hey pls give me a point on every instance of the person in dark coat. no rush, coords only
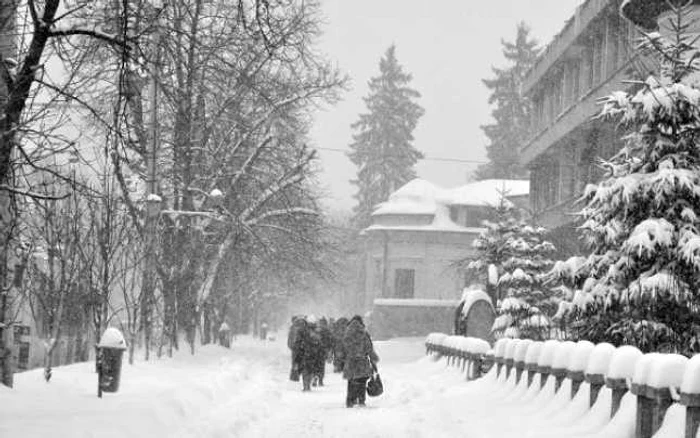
(359, 359)
(326, 347)
(291, 339)
(338, 332)
(307, 349)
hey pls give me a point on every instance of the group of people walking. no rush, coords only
(345, 343)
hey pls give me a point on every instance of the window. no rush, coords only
(23, 356)
(454, 216)
(476, 217)
(404, 283)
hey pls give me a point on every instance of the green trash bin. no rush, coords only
(110, 351)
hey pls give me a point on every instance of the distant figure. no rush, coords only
(359, 359)
(307, 348)
(338, 331)
(294, 328)
(263, 331)
(225, 335)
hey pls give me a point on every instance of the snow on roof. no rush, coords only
(415, 302)
(485, 193)
(441, 222)
(600, 358)
(471, 296)
(112, 338)
(623, 362)
(420, 197)
(415, 197)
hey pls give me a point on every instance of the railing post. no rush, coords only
(544, 371)
(690, 396)
(619, 388)
(576, 378)
(596, 381)
(519, 368)
(559, 375)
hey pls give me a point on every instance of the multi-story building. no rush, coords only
(590, 58)
(412, 279)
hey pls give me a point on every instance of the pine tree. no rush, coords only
(382, 146)
(518, 254)
(511, 109)
(642, 221)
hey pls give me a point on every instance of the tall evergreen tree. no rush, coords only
(642, 219)
(511, 109)
(382, 146)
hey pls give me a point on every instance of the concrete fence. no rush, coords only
(582, 389)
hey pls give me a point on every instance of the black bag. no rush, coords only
(375, 387)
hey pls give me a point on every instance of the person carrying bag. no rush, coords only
(359, 361)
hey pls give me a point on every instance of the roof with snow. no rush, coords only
(487, 192)
(421, 198)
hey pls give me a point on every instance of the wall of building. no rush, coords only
(589, 59)
(430, 254)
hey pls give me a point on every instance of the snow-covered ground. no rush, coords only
(245, 392)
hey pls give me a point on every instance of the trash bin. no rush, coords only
(109, 360)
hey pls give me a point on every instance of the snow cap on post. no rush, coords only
(561, 356)
(641, 373)
(581, 355)
(599, 361)
(623, 363)
(533, 354)
(112, 338)
(666, 371)
(546, 357)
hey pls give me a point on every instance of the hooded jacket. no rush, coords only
(358, 352)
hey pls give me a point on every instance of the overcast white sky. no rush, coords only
(448, 46)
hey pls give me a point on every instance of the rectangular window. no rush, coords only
(404, 283)
(454, 216)
(23, 356)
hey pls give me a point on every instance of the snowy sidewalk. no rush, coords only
(242, 392)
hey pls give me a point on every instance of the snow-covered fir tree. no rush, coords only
(642, 221)
(511, 109)
(382, 146)
(514, 256)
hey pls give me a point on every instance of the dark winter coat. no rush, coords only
(358, 353)
(307, 350)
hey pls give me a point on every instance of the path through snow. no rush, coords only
(243, 392)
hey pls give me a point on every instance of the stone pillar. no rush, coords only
(509, 366)
(596, 381)
(645, 410)
(559, 374)
(531, 371)
(544, 374)
(576, 378)
(692, 413)
(519, 368)
(619, 389)
(500, 362)
(476, 366)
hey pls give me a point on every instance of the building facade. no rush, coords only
(590, 58)
(412, 249)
